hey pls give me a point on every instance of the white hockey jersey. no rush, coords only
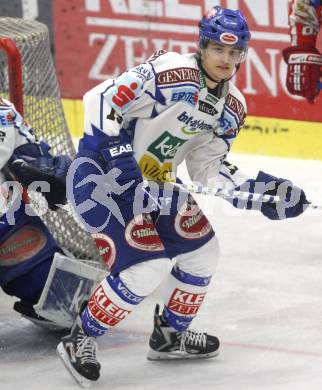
(166, 106)
(14, 131)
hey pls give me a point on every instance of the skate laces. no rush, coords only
(193, 338)
(86, 348)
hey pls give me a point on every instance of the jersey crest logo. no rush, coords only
(207, 108)
(151, 169)
(127, 88)
(166, 146)
(124, 94)
(237, 108)
(190, 96)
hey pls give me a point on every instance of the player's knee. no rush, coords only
(202, 261)
(143, 278)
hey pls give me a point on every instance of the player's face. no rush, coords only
(219, 61)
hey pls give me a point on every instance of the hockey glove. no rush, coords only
(33, 162)
(123, 168)
(303, 71)
(292, 202)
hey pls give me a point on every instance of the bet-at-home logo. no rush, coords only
(165, 146)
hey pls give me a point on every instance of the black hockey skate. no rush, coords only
(167, 344)
(78, 353)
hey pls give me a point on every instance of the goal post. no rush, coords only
(28, 79)
(14, 72)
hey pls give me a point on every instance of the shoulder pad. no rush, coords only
(171, 59)
(174, 68)
(155, 55)
(235, 100)
(125, 90)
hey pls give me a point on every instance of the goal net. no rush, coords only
(28, 79)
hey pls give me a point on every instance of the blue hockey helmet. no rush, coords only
(224, 26)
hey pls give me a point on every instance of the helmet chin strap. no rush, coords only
(221, 80)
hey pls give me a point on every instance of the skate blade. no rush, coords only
(63, 355)
(178, 355)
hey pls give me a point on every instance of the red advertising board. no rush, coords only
(99, 39)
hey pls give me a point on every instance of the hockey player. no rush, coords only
(26, 246)
(303, 59)
(141, 125)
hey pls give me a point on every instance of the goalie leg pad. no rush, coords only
(28, 287)
(68, 284)
(23, 247)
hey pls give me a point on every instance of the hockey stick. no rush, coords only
(198, 189)
(315, 206)
(228, 195)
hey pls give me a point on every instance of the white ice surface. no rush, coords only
(264, 304)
